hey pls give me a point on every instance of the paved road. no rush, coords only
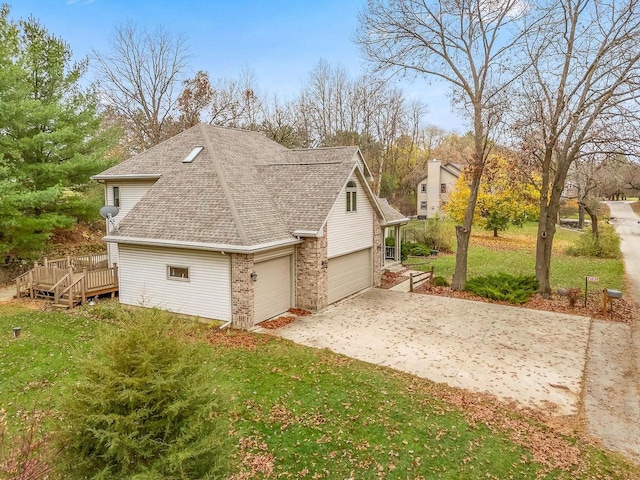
(612, 380)
(627, 225)
(534, 357)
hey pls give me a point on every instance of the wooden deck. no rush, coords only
(69, 281)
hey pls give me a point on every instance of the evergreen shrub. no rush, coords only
(144, 407)
(512, 288)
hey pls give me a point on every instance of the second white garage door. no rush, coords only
(272, 288)
(349, 274)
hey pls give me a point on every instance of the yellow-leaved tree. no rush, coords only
(506, 197)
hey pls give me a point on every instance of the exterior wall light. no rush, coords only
(325, 263)
(254, 276)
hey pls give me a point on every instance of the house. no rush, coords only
(434, 189)
(226, 224)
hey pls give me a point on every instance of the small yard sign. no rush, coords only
(586, 287)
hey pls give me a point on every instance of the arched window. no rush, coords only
(351, 196)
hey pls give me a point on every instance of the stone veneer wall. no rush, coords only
(242, 291)
(311, 277)
(377, 250)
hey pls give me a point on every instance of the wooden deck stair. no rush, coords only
(69, 281)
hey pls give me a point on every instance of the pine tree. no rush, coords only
(51, 140)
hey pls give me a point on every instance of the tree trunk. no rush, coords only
(594, 219)
(581, 216)
(495, 232)
(463, 234)
(546, 231)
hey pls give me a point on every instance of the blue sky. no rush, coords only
(279, 40)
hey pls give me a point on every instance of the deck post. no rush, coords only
(115, 274)
(411, 282)
(45, 262)
(83, 282)
(68, 261)
(31, 281)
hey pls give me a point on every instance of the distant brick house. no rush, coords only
(434, 189)
(226, 224)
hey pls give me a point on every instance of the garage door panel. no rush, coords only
(272, 294)
(349, 274)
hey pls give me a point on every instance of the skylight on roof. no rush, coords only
(194, 153)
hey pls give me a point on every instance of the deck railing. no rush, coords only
(48, 275)
(79, 263)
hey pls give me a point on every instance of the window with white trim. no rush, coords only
(423, 205)
(351, 196)
(116, 196)
(423, 188)
(178, 273)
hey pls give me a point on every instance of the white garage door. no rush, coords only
(349, 274)
(272, 288)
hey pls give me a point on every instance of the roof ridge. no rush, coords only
(302, 149)
(225, 188)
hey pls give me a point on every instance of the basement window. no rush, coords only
(178, 273)
(192, 156)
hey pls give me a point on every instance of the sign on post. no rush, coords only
(586, 287)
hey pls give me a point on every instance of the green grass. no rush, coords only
(513, 253)
(298, 412)
(36, 367)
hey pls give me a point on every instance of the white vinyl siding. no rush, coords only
(349, 274)
(130, 194)
(144, 281)
(272, 294)
(350, 231)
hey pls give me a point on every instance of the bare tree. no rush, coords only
(580, 96)
(196, 96)
(139, 77)
(467, 43)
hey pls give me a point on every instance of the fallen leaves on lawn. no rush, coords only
(236, 339)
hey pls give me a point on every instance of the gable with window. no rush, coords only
(351, 196)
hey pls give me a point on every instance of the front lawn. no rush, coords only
(297, 412)
(513, 252)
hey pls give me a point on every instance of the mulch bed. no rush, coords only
(620, 310)
(294, 313)
(391, 279)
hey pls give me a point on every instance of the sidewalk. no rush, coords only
(7, 293)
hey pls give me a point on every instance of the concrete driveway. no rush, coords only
(534, 357)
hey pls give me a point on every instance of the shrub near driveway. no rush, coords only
(144, 405)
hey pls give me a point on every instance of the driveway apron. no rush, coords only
(536, 358)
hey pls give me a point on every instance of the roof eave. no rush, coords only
(128, 176)
(391, 223)
(214, 247)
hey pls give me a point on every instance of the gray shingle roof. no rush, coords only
(390, 215)
(242, 189)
